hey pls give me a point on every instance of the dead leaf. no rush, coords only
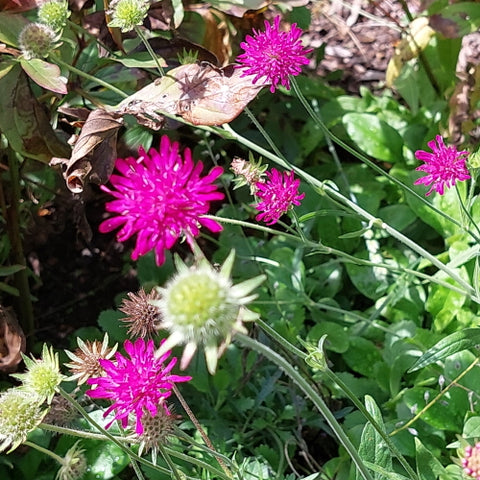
(12, 341)
(15, 6)
(23, 120)
(200, 93)
(94, 153)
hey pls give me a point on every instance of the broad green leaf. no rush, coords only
(372, 446)
(10, 28)
(362, 356)
(374, 136)
(456, 342)
(109, 321)
(6, 270)
(466, 16)
(471, 429)
(45, 74)
(337, 336)
(428, 467)
(381, 472)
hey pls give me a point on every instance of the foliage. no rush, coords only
(359, 358)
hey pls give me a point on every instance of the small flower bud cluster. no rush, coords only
(38, 39)
(127, 14)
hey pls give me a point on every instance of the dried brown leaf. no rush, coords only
(12, 341)
(94, 153)
(200, 93)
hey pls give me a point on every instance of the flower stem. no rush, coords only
(329, 188)
(312, 395)
(87, 76)
(45, 451)
(150, 50)
(467, 213)
(443, 392)
(366, 160)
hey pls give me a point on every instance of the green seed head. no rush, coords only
(127, 14)
(37, 40)
(54, 14)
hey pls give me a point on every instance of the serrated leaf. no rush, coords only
(45, 74)
(456, 342)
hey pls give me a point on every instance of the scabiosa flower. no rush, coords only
(143, 317)
(37, 40)
(273, 55)
(20, 413)
(127, 14)
(201, 306)
(160, 197)
(85, 359)
(277, 195)
(43, 376)
(445, 166)
(54, 14)
(136, 384)
(470, 461)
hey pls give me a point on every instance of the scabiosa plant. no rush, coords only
(127, 14)
(142, 317)
(54, 14)
(248, 172)
(200, 306)
(85, 359)
(277, 195)
(160, 196)
(137, 384)
(470, 461)
(42, 376)
(444, 167)
(273, 55)
(20, 413)
(37, 40)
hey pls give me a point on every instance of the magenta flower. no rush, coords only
(277, 195)
(273, 55)
(471, 461)
(137, 385)
(444, 166)
(160, 196)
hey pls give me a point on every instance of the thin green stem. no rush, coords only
(434, 400)
(366, 160)
(45, 451)
(168, 460)
(333, 192)
(87, 76)
(312, 395)
(149, 48)
(467, 213)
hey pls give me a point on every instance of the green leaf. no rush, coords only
(471, 429)
(372, 446)
(45, 74)
(385, 473)
(374, 136)
(10, 28)
(428, 467)
(109, 321)
(456, 342)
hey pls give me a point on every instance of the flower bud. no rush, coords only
(54, 14)
(37, 40)
(127, 14)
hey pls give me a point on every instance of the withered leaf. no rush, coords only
(23, 120)
(12, 341)
(94, 153)
(202, 94)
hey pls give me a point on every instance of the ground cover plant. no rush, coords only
(304, 260)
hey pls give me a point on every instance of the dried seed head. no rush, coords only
(142, 317)
(85, 360)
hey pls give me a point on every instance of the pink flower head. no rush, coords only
(273, 55)
(137, 384)
(277, 195)
(160, 196)
(444, 166)
(471, 461)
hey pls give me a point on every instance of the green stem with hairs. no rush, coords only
(89, 77)
(310, 392)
